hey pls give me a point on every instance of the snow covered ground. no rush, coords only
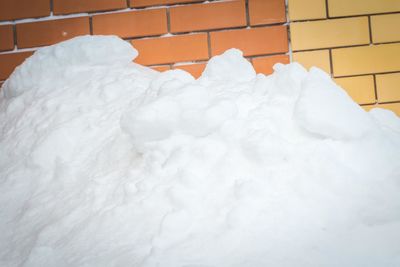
(104, 162)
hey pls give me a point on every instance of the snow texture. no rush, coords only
(104, 162)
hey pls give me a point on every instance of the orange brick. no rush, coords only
(70, 6)
(13, 9)
(49, 32)
(195, 69)
(265, 64)
(144, 3)
(161, 68)
(8, 62)
(6, 37)
(171, 49)
(208, 16)
(131, 24)
(256, 41)
(267, 12)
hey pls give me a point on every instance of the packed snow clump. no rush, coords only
(104, 162)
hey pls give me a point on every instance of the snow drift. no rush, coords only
(104, 162)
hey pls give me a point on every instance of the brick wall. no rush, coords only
(169, 34)
(357, 41)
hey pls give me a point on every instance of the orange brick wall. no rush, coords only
(169, 34)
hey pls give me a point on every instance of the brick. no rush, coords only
(300, 9)
(366, 59)
(208, 16)
(6, 37)
(339, 8)
(131, 24)
(13, 9)
(144, 3)
(369, 107)
(329, 33)
(360, 88)
(76, 6)
(49, 32)
(395, 107)
(317, 58)
(171, 49)
(385, 28)
(9, 61)
(267, 12)
(195, 69)
(388, 87)
(265, 64)
(255, 41)
(161, 68)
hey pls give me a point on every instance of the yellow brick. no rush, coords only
(329, 33)
(369, 107)
(395, 107)
(318, 58)
(385, 28)
(388, 86)
(338, 8)
(360, 88)
(300, 9)
(366, 59)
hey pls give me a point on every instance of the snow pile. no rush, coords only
(107, 163)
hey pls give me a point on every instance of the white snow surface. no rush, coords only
(104, 162)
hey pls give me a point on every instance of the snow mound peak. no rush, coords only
(328, 111)
(104, 162)
(66, 58)
(230, 66)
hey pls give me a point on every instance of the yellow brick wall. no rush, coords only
(357, 41)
